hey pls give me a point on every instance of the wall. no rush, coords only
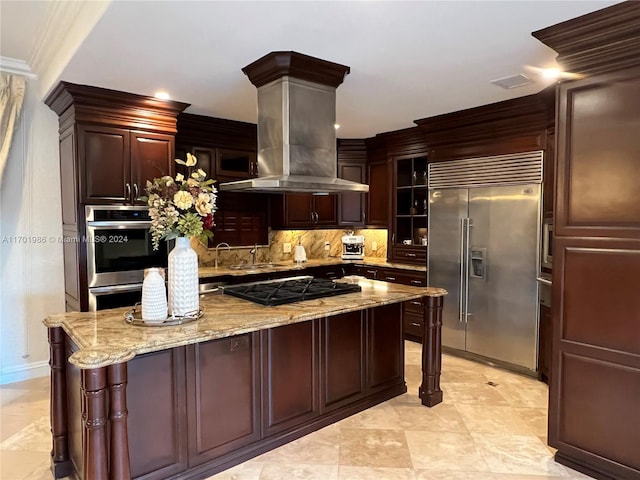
(312, 240)
(31, 266)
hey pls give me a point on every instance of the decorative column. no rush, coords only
(119, 441)
(429, 391)
(94, 445)
(60, 463)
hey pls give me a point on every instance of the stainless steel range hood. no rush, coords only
(296, 132)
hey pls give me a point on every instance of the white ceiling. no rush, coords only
(408, 60)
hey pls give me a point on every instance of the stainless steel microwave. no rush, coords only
(547, 242)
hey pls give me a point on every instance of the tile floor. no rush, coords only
(479, 432)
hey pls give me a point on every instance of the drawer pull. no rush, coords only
(390, 278)
(410, 254)
(416, 282)
(414, 324)
(372, 272)
(413, 302)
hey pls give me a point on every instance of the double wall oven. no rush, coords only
(119, 248)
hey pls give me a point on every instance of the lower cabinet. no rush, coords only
(223, 394)
(413, 320)
(199, 409)
(289, 376)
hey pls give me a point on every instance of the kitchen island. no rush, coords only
(188, 401)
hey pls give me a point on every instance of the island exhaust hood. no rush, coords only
(296, 126)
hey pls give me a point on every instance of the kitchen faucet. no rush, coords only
(254, 253)
(219, 245)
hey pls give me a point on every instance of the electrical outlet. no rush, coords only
(286, 248)
(327, 246)
(374, 246)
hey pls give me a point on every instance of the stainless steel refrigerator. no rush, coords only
(484, 230)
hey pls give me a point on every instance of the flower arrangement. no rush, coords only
(181, 207)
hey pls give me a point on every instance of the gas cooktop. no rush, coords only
(279, 292)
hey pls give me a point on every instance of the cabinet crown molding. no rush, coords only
(138, 111)
(599, 42)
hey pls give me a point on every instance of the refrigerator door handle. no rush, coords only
(463, 271)
(467, 272)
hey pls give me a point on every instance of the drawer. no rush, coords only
(412, 325)
(413, 307)
(372, 273)
(405, 277)
(410, 254)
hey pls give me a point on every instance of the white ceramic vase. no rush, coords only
(154, 296)
(183, 278)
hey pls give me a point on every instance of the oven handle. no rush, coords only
(131, 287)
(123, 224)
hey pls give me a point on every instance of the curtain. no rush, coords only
(12, 89)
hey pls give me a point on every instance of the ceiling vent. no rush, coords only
(514, 81)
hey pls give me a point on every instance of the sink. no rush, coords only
(257, 266)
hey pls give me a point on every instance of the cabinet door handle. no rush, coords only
(128, 187)
(135, 191)
(364, 216)
(413, 302)
(393, 279)
(414, 324)
(410, 254)
(416, 282)
(372, 272)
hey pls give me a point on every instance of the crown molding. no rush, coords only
(67, 25)
(16, 66)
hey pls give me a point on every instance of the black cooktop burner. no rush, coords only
(290, 291)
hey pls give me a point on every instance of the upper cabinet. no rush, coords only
(304, 210)
(410, 208)
(352, 166)
(227, 150)
(112, 143)
(115, 163)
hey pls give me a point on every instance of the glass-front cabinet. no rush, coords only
(410, 204)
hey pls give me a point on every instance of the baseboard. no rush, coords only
(24, 372)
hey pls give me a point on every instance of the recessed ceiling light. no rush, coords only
(551, 73)
(162, 95)
(336, 125)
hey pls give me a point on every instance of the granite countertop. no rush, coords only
(104, 338)
(206, 272)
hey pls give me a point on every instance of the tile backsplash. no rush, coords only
(314, 242)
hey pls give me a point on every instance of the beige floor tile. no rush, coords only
(33, 438)
(444, 451)
(272, 471)
(536, 418)
(463, 375)
(494, 419)
(250, 470)
(441, 418)
(19, 465)
(383, 416)
(374, 473)
(534, 396)
(8, 395)
(319, 448)
(473, 394)
(374, 448)
(413, 358)
(517, 454)
(431, 475)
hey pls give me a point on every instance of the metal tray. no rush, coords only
(134, 317)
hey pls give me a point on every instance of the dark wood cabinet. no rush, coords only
(544, 345)
(595, 367)
(117, 162)
(385, 355)
(342, 360)
(157, 419)
(304, 210)
(378, 198)
(290, 376)
(223, 396)
(410, 208)
(352, 166)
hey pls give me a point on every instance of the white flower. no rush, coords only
(203, 205)
(179, 177)
(191, 160)
(183, 200)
